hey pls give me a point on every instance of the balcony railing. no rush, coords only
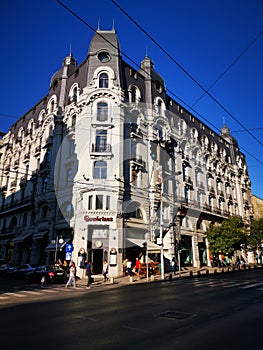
(106, 148)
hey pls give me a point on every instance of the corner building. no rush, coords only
(110, 163)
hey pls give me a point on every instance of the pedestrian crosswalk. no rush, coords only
(24, 293)
(224, 283)
(212, 284)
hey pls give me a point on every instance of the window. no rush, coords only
(44, 184)
(133, 211)
(69, 179)
(24, 219)
(102, 111)
(100, 170)
(44, 212)
(99, 202)
(133, 93)
(73, 121)
(107, 202)
(101, 141)
(103, 80)
(90, 202)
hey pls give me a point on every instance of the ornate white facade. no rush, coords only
(108, 161)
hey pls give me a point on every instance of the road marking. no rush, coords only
(137, 329)
(49, 290)
(252, 285)
(31, 292)
(235, 284)
(14, 294)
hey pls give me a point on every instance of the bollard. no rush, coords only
(112, 280)
(170, 277)
(191, 274)
(152, 277)
(207, 272)
(131, 279)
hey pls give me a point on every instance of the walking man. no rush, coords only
(89, 271)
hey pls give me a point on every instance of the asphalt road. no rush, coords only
(216, 312)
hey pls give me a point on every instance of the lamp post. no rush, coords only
(179, 216)
(56, 241)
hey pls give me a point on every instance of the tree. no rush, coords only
(255, 237)
(227, 237)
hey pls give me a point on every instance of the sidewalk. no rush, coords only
(188, 272)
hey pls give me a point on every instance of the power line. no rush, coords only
(229, 67)
(94, 30)
(187, 73)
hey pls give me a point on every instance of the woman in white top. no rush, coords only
(72, 275)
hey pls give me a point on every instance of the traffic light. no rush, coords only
(153, 150)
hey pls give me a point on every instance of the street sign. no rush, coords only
(68, 256)
(69, 248)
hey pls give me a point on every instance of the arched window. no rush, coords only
(44, 212)
(100, 170)
(102, 111)
(133, 93)
(103, 80)
(133, 211)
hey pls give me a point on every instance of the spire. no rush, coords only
(113, 24)
(98, 24)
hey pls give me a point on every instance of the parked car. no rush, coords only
(22, 270)
(7, 269)
(51, 273)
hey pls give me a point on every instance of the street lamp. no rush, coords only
(179, 216)
(56, 241)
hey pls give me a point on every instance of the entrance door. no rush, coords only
(97, 260)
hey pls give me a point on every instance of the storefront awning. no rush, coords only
(52, 247)
(21, 238)
(40, 235)
(151, 247)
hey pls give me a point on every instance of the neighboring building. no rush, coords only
(257, 204)
(108, 161)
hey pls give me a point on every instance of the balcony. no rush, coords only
(23, 181)
(13, 185)
(37, 151)
(7, 169)
(100, 150)
(26, 158)
(16, 164)
(136, 163)
(44, 166)
(188, 182)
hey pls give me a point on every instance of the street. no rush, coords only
(222, 311)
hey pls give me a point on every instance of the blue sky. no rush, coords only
(203, 36)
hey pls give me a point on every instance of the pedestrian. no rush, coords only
(173, 265)
(59, 263)
(129, 267)
(105, 270)
(72, 275)
(89, 271)
(137, 268)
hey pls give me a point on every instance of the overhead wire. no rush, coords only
(186, 72)
(135, 63)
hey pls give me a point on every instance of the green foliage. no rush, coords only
(255, 237)
(227, 237)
